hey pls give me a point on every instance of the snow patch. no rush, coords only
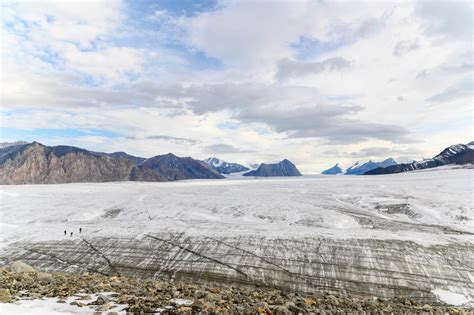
(180, 302)
(450, 298)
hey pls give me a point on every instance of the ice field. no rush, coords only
(409, 234)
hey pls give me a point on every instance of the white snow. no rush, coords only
(48, 306)
(274, 207)
(216, 162)
(296, 207)
(450, 298)
(180, 302)
(33, 307)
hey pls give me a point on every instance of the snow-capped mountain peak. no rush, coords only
(224, 167)
(216, 162)
(456, 154)
(359, 168)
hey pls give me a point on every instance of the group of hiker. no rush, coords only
(65, 232)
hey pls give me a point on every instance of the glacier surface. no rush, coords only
(409, 234)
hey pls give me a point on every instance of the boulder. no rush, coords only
(19, 266)
(5, 296)
(200, 294)
(45, 277)
(185, 310)
(281, 310)
(101, 300)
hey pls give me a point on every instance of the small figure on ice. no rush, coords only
(71, 234)
(65, 232)
(80, 230)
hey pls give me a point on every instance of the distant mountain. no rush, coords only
(336, 169)
(173, 167)
(283, 168)
(9, 144)
(224, 167)
(359, 169)
(455, 154)
(254, 166)
(122, 155)
(35, 163)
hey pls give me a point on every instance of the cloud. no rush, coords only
(74, 38)
(298, 111)
(256, 34)
(405, 46)
(292, 68)
(378, 153)
(458, 64)
(222, 148)
(72, 21)
(176, 140)
(385, 152)
(159, 15)
(448, 19)
(461, 89)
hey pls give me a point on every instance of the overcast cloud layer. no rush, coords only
(315, 82)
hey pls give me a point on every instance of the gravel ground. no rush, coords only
(109, 295)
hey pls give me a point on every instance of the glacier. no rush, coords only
(409, 234)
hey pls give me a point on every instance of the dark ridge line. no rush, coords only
(62, 261)
(103, 256)
(203, 256)
(252, 254)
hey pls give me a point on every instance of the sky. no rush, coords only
(316, 82)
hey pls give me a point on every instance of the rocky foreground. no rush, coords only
(111, 294)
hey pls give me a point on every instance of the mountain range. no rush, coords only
(282, 168)
(458, 154)
(358, 168)
(224, 167)
(173, 167)
(35, 163)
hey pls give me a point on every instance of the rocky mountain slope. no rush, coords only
(35, 163)
(173, 167)
(283, 168)
(456, 154)
(358, 168)
(122, 155)
(224, 167)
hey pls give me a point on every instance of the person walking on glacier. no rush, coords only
(80, 230)
(65, 232)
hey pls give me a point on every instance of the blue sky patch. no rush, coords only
(308, 48)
